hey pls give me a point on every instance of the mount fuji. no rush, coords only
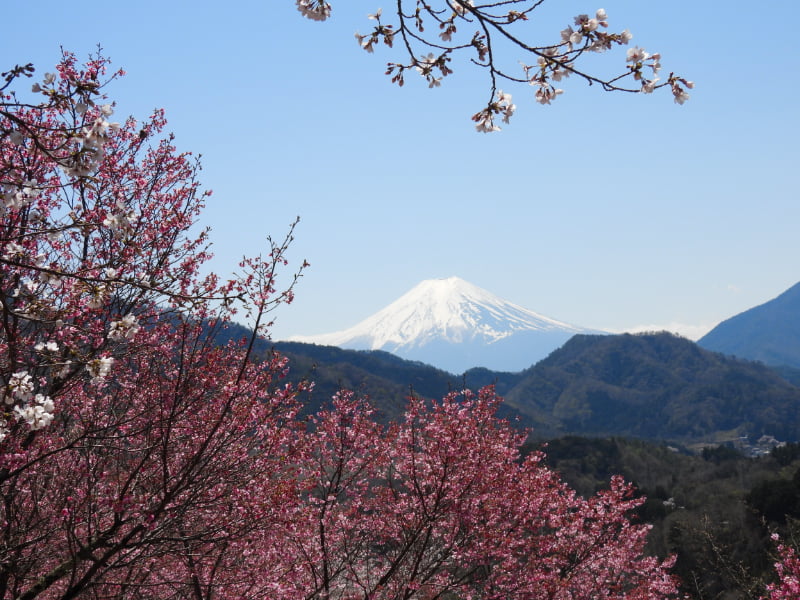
(454, 325)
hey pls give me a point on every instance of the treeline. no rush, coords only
(715, 511)
(654, 386)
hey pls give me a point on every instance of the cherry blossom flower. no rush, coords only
(124, 329)
(586, 24)
(502, 105)
(46, 347)
(559, 73)
(20, 386)
(37, 415)
(546, 92)
(316, 10)
(507, 108)
(484, 122)
(425, 64)
(99, 368)
(97, 295)
(649, 86)
(680, 95)
(13, 250)
(121, 224)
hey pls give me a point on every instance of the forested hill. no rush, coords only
(653, 386)
(656, 386)
(387, 379)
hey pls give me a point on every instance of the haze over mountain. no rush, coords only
(769, 333)
(455, 325)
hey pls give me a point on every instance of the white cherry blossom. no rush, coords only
(316, 10)
(20, 386)
(636, 55)
(46, 347)
(37, 415)
(649, 86)
(99, 368)
(124, 329)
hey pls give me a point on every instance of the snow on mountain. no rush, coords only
(454, 325)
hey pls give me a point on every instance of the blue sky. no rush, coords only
(604, 210)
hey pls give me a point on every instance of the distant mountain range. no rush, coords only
(455, 326)
(769, 333)
(650, 386)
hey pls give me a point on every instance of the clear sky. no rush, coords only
(607, 211)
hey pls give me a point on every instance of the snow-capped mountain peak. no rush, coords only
(450, 322)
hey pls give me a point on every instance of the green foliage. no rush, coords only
(786, 454)
(655, 386)
(720, 454)
(715, 510)
(776, 500)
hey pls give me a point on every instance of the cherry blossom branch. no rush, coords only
(553, 61)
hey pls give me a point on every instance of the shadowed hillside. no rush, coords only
(655, 386)
(769, 333)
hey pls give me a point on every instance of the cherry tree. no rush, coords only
(133, 451)
(442, 505)
(432, 33)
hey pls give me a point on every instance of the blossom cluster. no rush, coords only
(99, 368)
(502, 105)
(588, 31)
(87, 141)
(639, 58)
(92, 139)
(17, 197)
(124, 329)
(557, 62)
(367, 42)
(37, 410)
(316, 10)
(788, 570)
(122, 222)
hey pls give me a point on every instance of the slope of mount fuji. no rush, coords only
(454, 325)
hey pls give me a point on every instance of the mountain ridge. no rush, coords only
(648, 386)
(656, 386)
(769, 332)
